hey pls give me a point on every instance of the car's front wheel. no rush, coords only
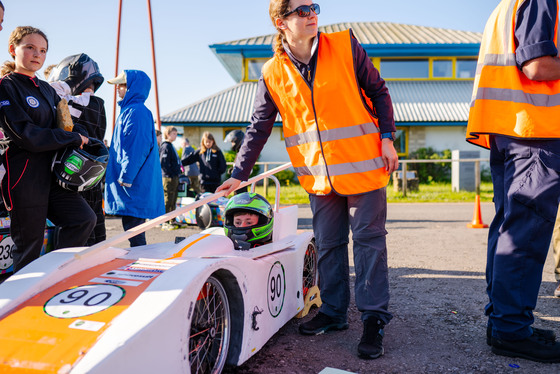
(210, 329)
(310, 272)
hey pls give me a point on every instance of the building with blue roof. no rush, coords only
(429, 72)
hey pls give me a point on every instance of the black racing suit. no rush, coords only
(92, 122)
(29, 190)
(212, 165)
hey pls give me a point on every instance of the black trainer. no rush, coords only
(534, 348)
(371, 343)
(321, 323)
(545, 334)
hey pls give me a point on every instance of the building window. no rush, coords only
(405, 68)
(254, 67)
(430, 68)
(442, 69)
(466, 68)
(401, 141)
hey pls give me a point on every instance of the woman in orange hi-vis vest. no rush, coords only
(338, 126)
(515, 112)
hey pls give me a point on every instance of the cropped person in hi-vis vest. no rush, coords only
(338, 125)
(515, 112)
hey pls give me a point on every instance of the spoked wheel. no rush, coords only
(310, 273)
(210, 329)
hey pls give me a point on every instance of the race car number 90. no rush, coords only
(276, 289)
(83, 300)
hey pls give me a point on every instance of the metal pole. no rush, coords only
(404, 181)
(477, 177)
(265, 181)
(158, 120)
(117, 65)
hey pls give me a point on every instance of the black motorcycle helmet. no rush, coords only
(235, 137)
(79, 72)
(81, 169)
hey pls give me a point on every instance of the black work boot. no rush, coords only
(544, 334)
(534, 348)
(371, 343)
(321, 323)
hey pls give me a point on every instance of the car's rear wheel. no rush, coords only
(210, 329)
(310, 273)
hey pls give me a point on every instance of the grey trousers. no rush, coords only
(333, 217)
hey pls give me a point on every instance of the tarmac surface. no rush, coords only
(436, 270)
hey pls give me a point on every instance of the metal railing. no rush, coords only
(266, 165)
(404, 167)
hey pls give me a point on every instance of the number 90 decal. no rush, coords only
(83, 300)
(276, 289)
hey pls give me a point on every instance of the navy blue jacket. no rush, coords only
(212, 165)
(170, 166)
(534, 30)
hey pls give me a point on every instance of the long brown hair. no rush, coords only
(276, 9)
(15, 39)
(207, 135)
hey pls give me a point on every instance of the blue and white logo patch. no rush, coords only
(4, 103)
(33, 102)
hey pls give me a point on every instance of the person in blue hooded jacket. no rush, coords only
(134, 188)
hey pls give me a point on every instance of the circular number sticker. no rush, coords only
(6, 248)
(84, 300)
(276, 289)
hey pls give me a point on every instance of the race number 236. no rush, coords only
(83, 300)
(6, 248)
(276, 288)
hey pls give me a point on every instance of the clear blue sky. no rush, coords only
(187, 69)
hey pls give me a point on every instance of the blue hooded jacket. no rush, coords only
(134, 156)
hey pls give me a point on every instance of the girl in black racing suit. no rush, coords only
(28, 119)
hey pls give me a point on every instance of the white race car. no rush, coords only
(186, 307)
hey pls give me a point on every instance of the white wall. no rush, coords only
(451, 137)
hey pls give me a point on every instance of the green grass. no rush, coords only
(427, 193)
(439, 193)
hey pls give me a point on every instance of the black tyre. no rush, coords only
(204, 216)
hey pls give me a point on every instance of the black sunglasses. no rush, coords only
(305, 10)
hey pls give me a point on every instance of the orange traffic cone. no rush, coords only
(477, 217)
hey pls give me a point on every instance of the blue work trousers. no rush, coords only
(333, 216)
(525, 174)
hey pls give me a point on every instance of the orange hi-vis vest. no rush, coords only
(506, 102)
(330, 131)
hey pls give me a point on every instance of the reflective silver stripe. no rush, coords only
(317, 170)
(349, 132)
(499, 60)
(340, 169)
(332, 134)
(508, 26)
(356, 167)
(303, 138)
(517, 96)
